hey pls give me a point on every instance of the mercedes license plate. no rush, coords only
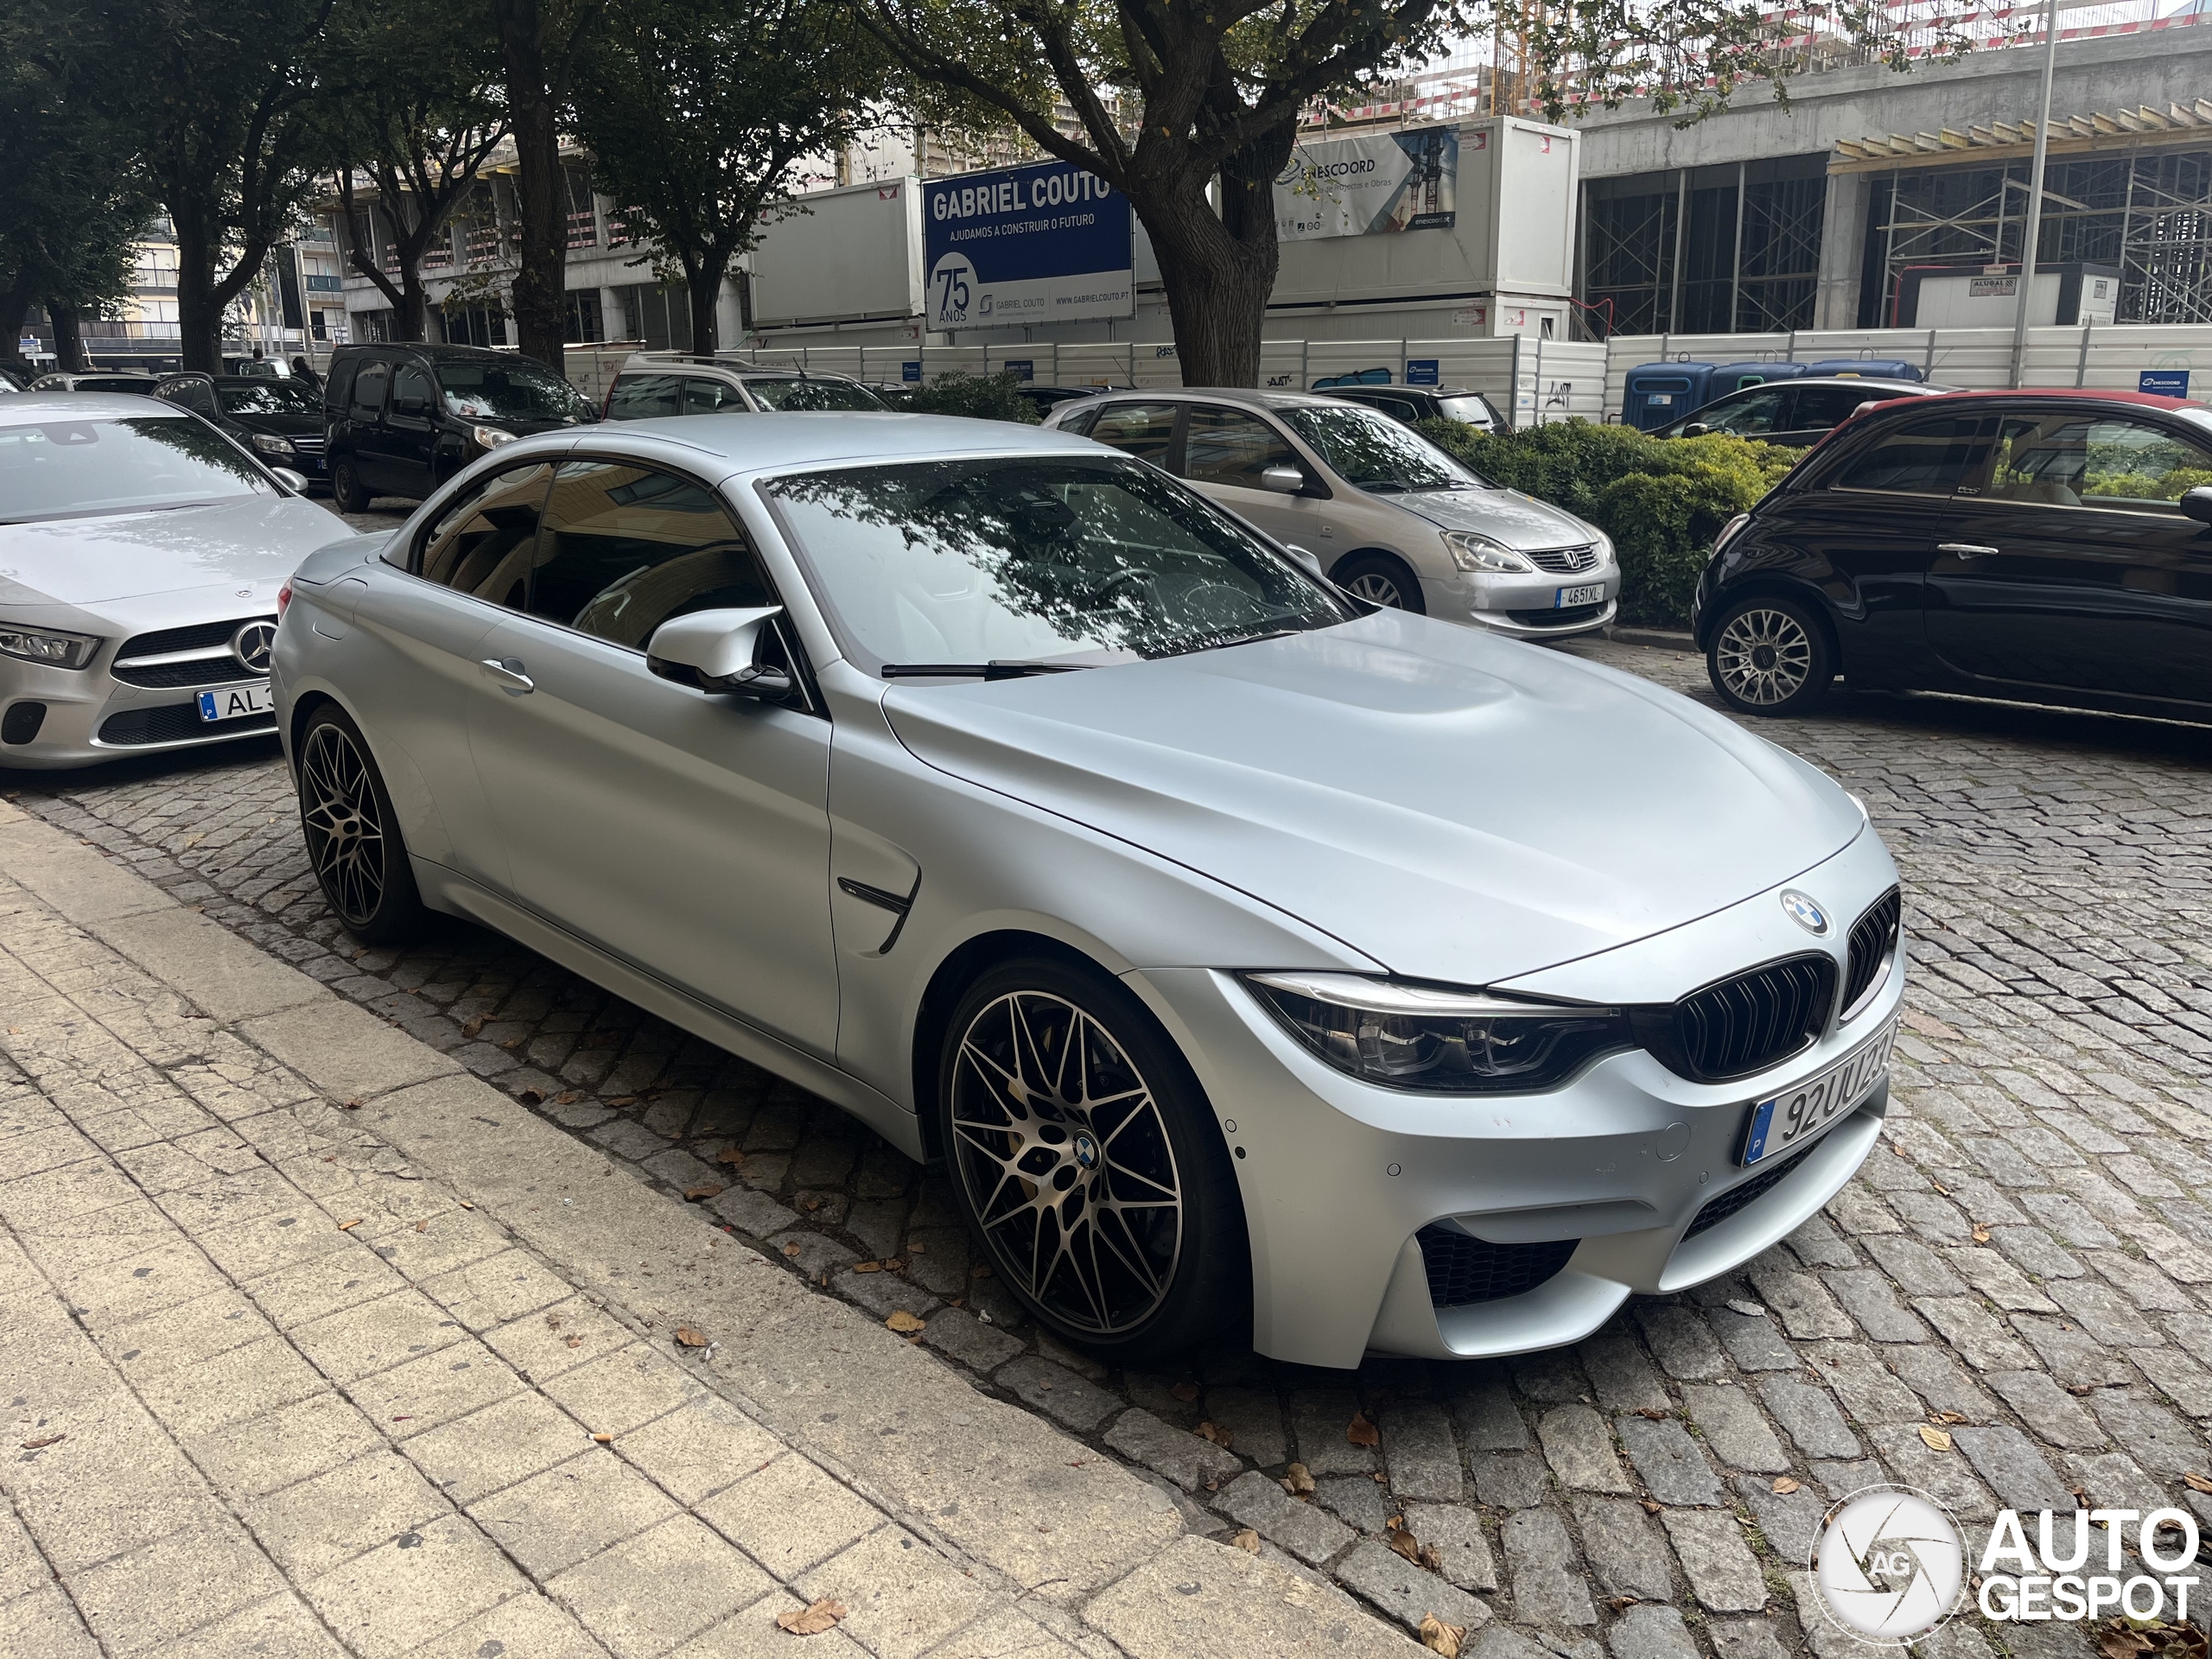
(237, 701)
(1796, 1116)
(1592, 593)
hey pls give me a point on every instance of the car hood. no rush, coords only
(1519, 521)
(233, 545)
(1453, 805)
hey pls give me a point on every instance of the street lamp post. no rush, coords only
(2033, 228)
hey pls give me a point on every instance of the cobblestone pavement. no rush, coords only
(2023, 1269)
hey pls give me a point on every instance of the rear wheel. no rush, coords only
(1379, 579)
(352, 837)
(1088, 1165)
(346, 487)
(1771, 655)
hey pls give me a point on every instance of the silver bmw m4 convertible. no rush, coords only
(1240, 948)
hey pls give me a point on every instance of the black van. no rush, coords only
(403, 418)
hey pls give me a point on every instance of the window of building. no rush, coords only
(661, 317)
(587, 324)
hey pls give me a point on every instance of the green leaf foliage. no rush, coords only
(980, 397)
(1662, 500)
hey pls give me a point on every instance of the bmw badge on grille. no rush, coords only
(1805, 912)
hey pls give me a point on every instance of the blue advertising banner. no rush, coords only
(1036, 244)
(2165, 383)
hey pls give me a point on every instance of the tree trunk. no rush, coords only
(412, 318)
(706, 290)
(68, 338)
(540, 303)
(199, 307)
(1217, 286)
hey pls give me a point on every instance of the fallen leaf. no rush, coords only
(623, 1100)
(2196, 1483)
(792, 1249)
(424, 1225)
(604, 1440)
(1186, 1392)
(1298, 1480)
(348, 1226)
(690, 1337)
(472, 1026)
(1980, 1233)
(813, 1618)
(1362, 1433)
(464, 1204)
(1655, 1416)
(918, 1249)
(1215, 1433)
(44, 1440)
(1950, 1416)
(1431, 1558)
(351, 1106)
(1403, 1543)
(867, 1267)
(702, 1192)
(566, 1097)
(1938, 1440)
(903, 1322)
(2117, 1641)
(894, 1264)
(1651, 1505)
(1247, 1540)
(1786, 1485)
(731, 1156)
(574, 1342)
(2081, 1387)
(1439, 1637)
(981, 1270)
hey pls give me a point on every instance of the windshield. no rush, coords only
(510, 392)
(1374, 453)
(1018, 560)
(60, 469)
(814, 394)
(269, 397)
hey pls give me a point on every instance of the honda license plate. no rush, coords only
(1796, 1116)
(237, 701)
(1591, 593)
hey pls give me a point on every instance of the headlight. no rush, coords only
(1479, 553)
(1438, 1041)
(47, 645)
(1728, 532)
(1605, 554)
(269, 444)
(489, 438)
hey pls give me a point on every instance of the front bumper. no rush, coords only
(91, 717)
(1339, 1177)
(1524, 607)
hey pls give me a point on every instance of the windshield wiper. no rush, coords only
(976, 670)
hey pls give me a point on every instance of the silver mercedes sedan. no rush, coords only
(141, 552)
(1244, 949)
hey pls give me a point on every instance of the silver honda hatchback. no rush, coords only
(1245, 949)
(1390, 517)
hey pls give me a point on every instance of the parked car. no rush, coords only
(402, 419)
(2040, 546)
(1413, 404)
(1238, 946)
(652, 385)
(143, 552)
(13, 378)
(1389, 515)
(279, 421)
(1794, 413)
(245, 363)
(1048, 399)
(98, 380)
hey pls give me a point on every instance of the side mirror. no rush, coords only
(2198, 503)
(1306, 560)
(297, 482)
(714, 650)
(1696, 429)
(1283, 480)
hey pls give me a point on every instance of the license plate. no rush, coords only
(1589, 594)
(237, 701)
(1797, 1115)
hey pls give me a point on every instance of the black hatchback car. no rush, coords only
(1792, 413)
(403, 418)
(2041, 546)
(281, 421)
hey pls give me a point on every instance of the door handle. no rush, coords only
(1966, 549)
(508, 675)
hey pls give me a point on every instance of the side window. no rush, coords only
(369, 388)
(1930, 457)
(483, 541)
(1759, 411)
(627, 548)
(2063, 459)
(411, 393)
(1227, 446)
(1399, 408)
(341, 385)
(704, 396)
(1080, 423)
(642, 396)
(1819, 408)
(1143, 429)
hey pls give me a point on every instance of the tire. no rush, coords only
(353, 835)
(1144, 1253)
(1772, 655)
(1379, 579)
(346, 487)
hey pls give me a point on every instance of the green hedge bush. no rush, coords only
(1662, 500)
(982, 398)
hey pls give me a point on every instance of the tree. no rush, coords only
(217, 97)
(414, 103)
(698, 111)
(540, 44)
(1216, 88)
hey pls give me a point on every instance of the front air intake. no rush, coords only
(1464, 1270)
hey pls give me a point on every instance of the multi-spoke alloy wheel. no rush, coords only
(352, 843)
(1770, 658)
(1063, 1154)
(1378, 589)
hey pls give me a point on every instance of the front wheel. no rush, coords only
(1088, 1165)
(1379, 579)
(346, 487)
(352, 837)
(1771, 655)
